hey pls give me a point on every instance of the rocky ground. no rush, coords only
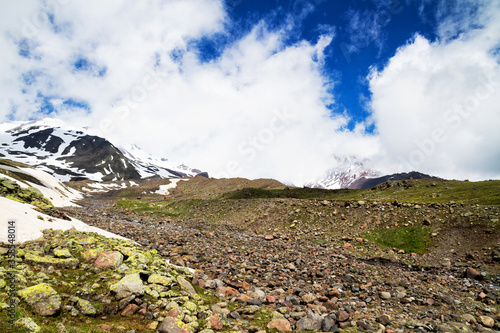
(268, 275)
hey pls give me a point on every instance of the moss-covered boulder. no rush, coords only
(42, 298)
(160, 279)
(129, 285)
(27, 324)
(86, 308)
(36, 260)
(31, 195)
(62, 253)
(90, 254)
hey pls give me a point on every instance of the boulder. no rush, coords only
(129, 285)
(486, 321)
(282, 325)
(86, 308)
(312, 321)
(186, 286)
(109, 259)
(90, 254)
(36, 260)
(42, 298)
(27, 324)
(160, 279)
(62, 253)
(173, 325)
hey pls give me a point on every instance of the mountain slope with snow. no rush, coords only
(76, 154)
(345, 172)
(25, 219)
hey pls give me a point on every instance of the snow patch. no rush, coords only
(164, 188)
(29, 226)
(52, 189)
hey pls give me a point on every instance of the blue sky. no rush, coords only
(275, 88)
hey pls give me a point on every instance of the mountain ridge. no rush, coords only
(71, 153)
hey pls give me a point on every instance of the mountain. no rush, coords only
(148, 164)
(352, 173)
(76, 154)
(364, 183)
(346, 171)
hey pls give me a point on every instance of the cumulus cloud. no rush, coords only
(435, 103)
(133, 71)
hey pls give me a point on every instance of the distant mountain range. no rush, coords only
(352, 173)
(75, 154)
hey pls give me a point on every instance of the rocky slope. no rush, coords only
(314, 269)
(266, 260)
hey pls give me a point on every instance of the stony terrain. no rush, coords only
(284, 264)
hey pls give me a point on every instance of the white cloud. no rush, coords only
(258, 110)
(435, 104)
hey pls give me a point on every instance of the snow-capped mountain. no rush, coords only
(352, 173)
(148, 164)
(75, 153)
(344, 173)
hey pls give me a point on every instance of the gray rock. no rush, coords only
(28, 324)
(385, 295)
(129, 285)
(173, 325)
(186, 286)
(86, 308)
(312, 321)
(42, 298)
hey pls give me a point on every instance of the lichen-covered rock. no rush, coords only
(33, 259)
(126, 250)
(42, 298)
(86, 308)
(138, 259)
(90, 254)
(173, 325)
(190, 306)
(123, 269)
(108, 259)
(160, 279)
(186, 286)
(28, 324)
(62, 253)
(129, 285)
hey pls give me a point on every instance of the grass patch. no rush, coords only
(410, 239)
(14, 164)
(162, 209)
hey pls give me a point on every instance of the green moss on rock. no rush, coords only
(28, 324)
(33, 259)
(42, 298)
